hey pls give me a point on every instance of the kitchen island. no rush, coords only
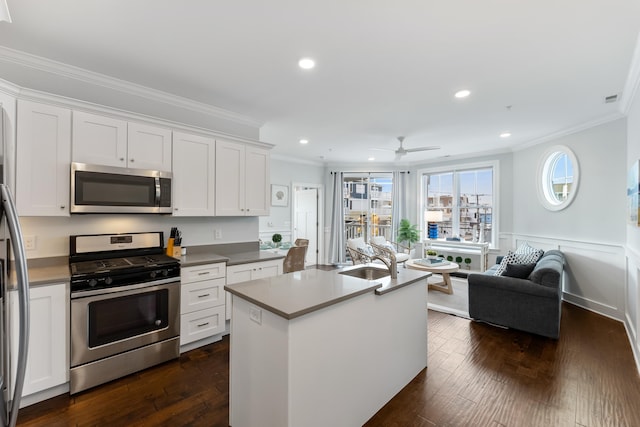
(319, 348)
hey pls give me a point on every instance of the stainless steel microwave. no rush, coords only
(108, 189)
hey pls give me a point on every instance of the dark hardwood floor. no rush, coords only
(478, 375)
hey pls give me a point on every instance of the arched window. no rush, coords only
(558, 175)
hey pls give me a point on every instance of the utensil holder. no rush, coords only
(169, 250)
(177, 252)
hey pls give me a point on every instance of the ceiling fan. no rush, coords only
(401, 151)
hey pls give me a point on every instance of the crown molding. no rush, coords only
(9, 88)
(24, 59)
(290, 159)
(571, 130)
(633, 81)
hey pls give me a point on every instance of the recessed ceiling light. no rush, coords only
(304, 141)
(306, 63)
(505, 135)
(371, 159)
(462, 93)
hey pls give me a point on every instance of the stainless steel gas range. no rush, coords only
(125, 306)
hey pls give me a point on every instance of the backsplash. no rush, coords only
(52, 233)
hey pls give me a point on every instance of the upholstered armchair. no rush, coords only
(382, 246)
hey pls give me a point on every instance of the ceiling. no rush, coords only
(384, 69)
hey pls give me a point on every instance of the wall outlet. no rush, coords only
(30, 243)
(255, 314)
(218, 233)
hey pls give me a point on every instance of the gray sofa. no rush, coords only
(532, 304)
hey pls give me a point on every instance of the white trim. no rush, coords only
(632, 83)
(570, 131)
(494, 164)
(320, 206)
(79, 105)
(68, 71)
(543, 178)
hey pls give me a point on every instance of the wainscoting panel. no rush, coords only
(633, 302)
(595, 276)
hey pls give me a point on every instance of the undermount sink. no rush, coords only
(367, 273)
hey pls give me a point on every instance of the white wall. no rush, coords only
(632, 234)
(591, 231)
(287, 172)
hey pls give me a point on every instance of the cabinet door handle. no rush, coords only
(203, 324)
(62, 207)
(203, 273)
(122, 159)
(131, 160)
(203, 296)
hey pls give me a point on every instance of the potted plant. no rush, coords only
(408, 233)
(458, 260)
(431, 254)
(450, 258)
(468, 262)
(276, 238)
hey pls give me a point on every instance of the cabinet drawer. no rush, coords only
(201, 324)
(203, 272)
(200, 295)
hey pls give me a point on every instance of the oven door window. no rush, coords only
(119, 318)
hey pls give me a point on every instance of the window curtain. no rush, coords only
(398, 202)
(337, 248)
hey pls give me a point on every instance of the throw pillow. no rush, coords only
(528, 253)
(366, 249)
(519, 271)
(389, 246)
(509, 258)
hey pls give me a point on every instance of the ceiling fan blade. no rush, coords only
(412, 150)
(383, 149)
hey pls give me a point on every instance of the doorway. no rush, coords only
(307, 219)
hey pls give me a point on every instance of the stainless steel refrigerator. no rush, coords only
(11, 243)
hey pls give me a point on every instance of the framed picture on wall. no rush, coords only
(279, 195)
(633, 193)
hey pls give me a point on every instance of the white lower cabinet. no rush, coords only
(202, 302)
(251, 271)
(48, 356)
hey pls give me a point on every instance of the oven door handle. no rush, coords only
(15, 233)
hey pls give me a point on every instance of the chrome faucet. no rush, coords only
(390, 262)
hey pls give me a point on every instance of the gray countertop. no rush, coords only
(45, 271)
(296, 294)
(231, 253)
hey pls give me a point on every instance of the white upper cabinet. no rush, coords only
(107, 141)
(193, 175)
(242, 179)
(149, 147)
(43, 159)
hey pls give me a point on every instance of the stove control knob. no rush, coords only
(152, 274)
(165, 273)
(93, 282)
(108, 280)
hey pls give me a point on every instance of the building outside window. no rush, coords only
(367, 205)
(461, 202)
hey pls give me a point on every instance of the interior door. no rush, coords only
(306, 221)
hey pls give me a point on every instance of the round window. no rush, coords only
(558, 176)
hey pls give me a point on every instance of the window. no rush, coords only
(367, 205)
(557, 178)
(459, 202)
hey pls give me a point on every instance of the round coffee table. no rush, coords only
(444, 270)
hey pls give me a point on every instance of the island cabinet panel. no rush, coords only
(202, 302)
(193, 175)
(324, 368)
(108, 141)
(48, 356)
(43, 157)
(251, 271)
(242, 179)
